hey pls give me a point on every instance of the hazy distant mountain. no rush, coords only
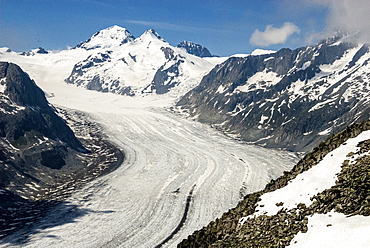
(32, 52)
(289, 99)
(5, 50)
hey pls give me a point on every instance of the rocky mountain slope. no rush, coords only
(41, 159)
(289, 99)
(148, 64)
(322, 202)
(26, 115)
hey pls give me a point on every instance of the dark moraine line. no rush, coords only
(182, 221)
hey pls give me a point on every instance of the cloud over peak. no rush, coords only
(273, 35)
(352, 16)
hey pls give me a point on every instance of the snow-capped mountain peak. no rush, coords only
(148, 64)
(106, 38)
(150, 35)
(5, 50)
(112, 60)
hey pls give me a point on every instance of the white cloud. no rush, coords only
(273, 35)
(348, 16)
(171, 26)
(352, 16)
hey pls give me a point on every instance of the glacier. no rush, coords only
(170, 162)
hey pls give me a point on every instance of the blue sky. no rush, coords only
(224, 27)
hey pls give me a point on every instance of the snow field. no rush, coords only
(309, 183)
(334, 230)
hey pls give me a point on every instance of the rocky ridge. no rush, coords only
(195, 49)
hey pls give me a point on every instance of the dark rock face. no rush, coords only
(291, 99)
(32, 135)
(167, 76)
(19, 88)
(168, 53)
(42, 51)
(195, 49)
(165, 79)
(31, 111)
(37, 147)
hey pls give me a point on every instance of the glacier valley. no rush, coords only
(177, 176)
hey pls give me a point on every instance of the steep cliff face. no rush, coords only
(290, 99)
(26, 112)
(322, 201)
(35, 142)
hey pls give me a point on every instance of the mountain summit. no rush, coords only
(106, 38)
(150, 34)
(195, 49)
